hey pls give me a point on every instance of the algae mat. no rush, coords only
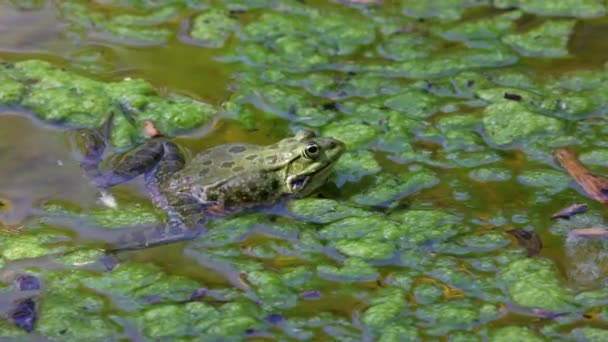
(451, 111)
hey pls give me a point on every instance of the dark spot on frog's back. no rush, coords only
(238, 169)
(251, 157)
(208, 162)
(227, 164)
(203, 172)
(237, 149)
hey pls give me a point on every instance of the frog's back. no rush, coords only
(222, 162)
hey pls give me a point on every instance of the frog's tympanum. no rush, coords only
(225, 178)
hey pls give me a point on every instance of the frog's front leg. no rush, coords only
(125, 167)
(185, 214)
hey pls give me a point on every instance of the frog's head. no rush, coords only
(312, 160)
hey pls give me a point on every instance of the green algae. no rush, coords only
(385, 307)
(388, 188)
(442, 9)
(139, 29)
(456, 315)
(515, 333)
(550, 39)
(59, 96)
(408, 238)
(212, 28)
(505, 123)
(59, 321)
(421, 227)
(353, 270)
(33, 245)
(535, 283)
(489, 28)
(574, 8)
(548, 180)
(323, 210)
(365, 248)
(590, 334)
(353, 166)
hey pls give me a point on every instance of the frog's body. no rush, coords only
(228, 177)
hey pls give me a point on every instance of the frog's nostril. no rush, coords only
(332, 144)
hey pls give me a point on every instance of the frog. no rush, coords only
(221, 180)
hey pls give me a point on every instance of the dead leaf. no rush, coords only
(590, 233)
(594, 185)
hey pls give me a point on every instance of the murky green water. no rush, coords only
(408, 241)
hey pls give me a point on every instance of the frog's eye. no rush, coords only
(311, 151)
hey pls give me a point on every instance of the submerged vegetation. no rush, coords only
(450, 110)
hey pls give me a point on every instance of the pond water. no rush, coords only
(429, 229)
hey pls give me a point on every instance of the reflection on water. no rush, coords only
(35, 164)
(29, 31)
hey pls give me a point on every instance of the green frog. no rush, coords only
(223, 179)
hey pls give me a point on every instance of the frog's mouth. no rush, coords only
(297, 183)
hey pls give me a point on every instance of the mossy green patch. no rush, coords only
(353, 270)
(353, 166)
(353, 228)
(366, 249)
(413, 103)
(535, 283)
(505, 123)
(573, 8)
(56, 95)
(487, 28)
(388, 188)
(354, 133)
(548, 180)
(305, 40)
(441, 9)
(590, 334)
(271, 290)
(422, 227)
(385, 308)
(515, 333)
(212, 27)
(595, 157)
(31, 245)
(445, 65)
(550, 39)
(427, 293)
(323, 210)
(75, 316)
(456, 315)
(127, 28)
(399, 333)
(407, 47)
